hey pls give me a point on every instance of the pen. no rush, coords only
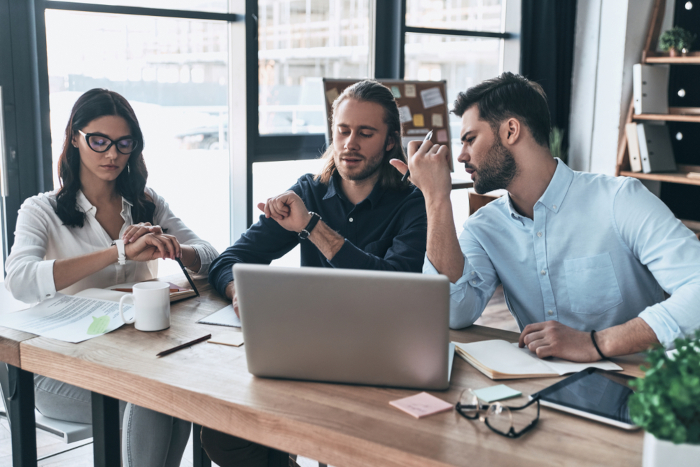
(183, 346)
(408, 172)
(189, 279)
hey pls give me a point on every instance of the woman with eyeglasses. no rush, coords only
(102, 227)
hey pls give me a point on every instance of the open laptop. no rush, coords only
(346, 326)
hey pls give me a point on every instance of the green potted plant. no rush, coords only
(676, 40)
(667, 405)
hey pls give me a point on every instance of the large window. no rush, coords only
(300, 42)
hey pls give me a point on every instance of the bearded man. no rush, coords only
(576, 252)
(357, 213)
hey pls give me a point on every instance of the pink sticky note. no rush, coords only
(442, 136)
(421, 405)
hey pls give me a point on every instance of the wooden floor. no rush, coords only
(495, 315)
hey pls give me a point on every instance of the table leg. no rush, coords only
(200, 458)
(21, 417)
(277, 458)
(105, 431)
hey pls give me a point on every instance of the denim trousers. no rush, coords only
(149, 438)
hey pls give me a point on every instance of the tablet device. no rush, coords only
(593, 394)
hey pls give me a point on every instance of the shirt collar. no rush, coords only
(558, 187)
(82, 202)
(334, 189)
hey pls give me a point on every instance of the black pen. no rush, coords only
(408, 172)
(189, 279)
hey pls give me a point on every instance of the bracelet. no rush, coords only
(595, 344)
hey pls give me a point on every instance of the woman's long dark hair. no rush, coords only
(131, 182)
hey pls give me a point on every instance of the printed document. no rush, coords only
(68, 318)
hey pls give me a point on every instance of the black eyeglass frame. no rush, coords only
(511, 433)
(111, 142)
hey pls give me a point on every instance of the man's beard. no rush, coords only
(497, 170)
(369, 170)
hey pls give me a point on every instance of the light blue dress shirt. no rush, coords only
(599, 251)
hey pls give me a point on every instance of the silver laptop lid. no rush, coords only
(342, 325)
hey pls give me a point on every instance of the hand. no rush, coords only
(553, 339)
(231, 295)
(430, 168)
(288, 210)
(133, 232)
(151, 246)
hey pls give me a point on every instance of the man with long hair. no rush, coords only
(357, 213)
(576, 252)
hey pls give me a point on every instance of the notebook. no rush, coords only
(499, 359)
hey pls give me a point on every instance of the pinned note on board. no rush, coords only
(437, 120)
(418, 120)
(410, 90)
(405, 114)
(442, 136)
(396, 92)
(332, 95)
(431, 97)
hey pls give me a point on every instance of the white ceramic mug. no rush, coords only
(151, 306)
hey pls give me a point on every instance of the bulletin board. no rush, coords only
(422, 107)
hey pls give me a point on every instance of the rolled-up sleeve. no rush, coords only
(165, 217)
(29, 276)
(473, 290)
(670, 251)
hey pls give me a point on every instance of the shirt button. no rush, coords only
(473, 282)
(550, 312)
(350, 219)
(473, 273)
(543, 272)
(554, 206)
(539, 234)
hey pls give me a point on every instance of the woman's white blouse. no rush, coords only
(41, 238)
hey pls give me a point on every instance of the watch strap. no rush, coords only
(120, 251)
(306, 231)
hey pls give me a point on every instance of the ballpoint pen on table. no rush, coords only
(408, 172)
(183, 346)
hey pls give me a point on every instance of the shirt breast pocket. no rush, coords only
(592, 284)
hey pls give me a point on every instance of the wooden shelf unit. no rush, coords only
(676, 114)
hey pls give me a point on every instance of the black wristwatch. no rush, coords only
(306, 231)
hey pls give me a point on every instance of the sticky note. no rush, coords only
(332, 95)
(418, 120)
(437, 120)
(234, 339)
(431, 97)
(405, 114)
(496, 393)
(442, 136)
(410, 90)
(395, 91)
(421, 405)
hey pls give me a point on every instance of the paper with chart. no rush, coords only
(68, 318)
(224, 317)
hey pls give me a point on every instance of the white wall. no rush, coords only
(610, 36)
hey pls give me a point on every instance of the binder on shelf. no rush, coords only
(633, 147)
(655, 148)
(650, 88)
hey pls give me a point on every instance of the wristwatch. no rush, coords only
(120, 251)
(306, 231)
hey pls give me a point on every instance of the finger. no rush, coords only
(127, 233)
(426, 146)
(276, 210)
(528, 329)
(168, 244)
(156, 229)
(444, 152)
(413, 146)
(234, 302)
(174, 244)
(545, 351)
(535, 344)
(261, 206)
(267, 209)
(533, 336)
(156, 242)
(399, 165)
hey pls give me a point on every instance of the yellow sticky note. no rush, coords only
(332, 95)
(418, 120)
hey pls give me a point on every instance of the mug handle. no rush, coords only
(121, 308)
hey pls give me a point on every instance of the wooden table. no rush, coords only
(336, 424)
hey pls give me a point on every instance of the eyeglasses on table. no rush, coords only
(511, 422)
